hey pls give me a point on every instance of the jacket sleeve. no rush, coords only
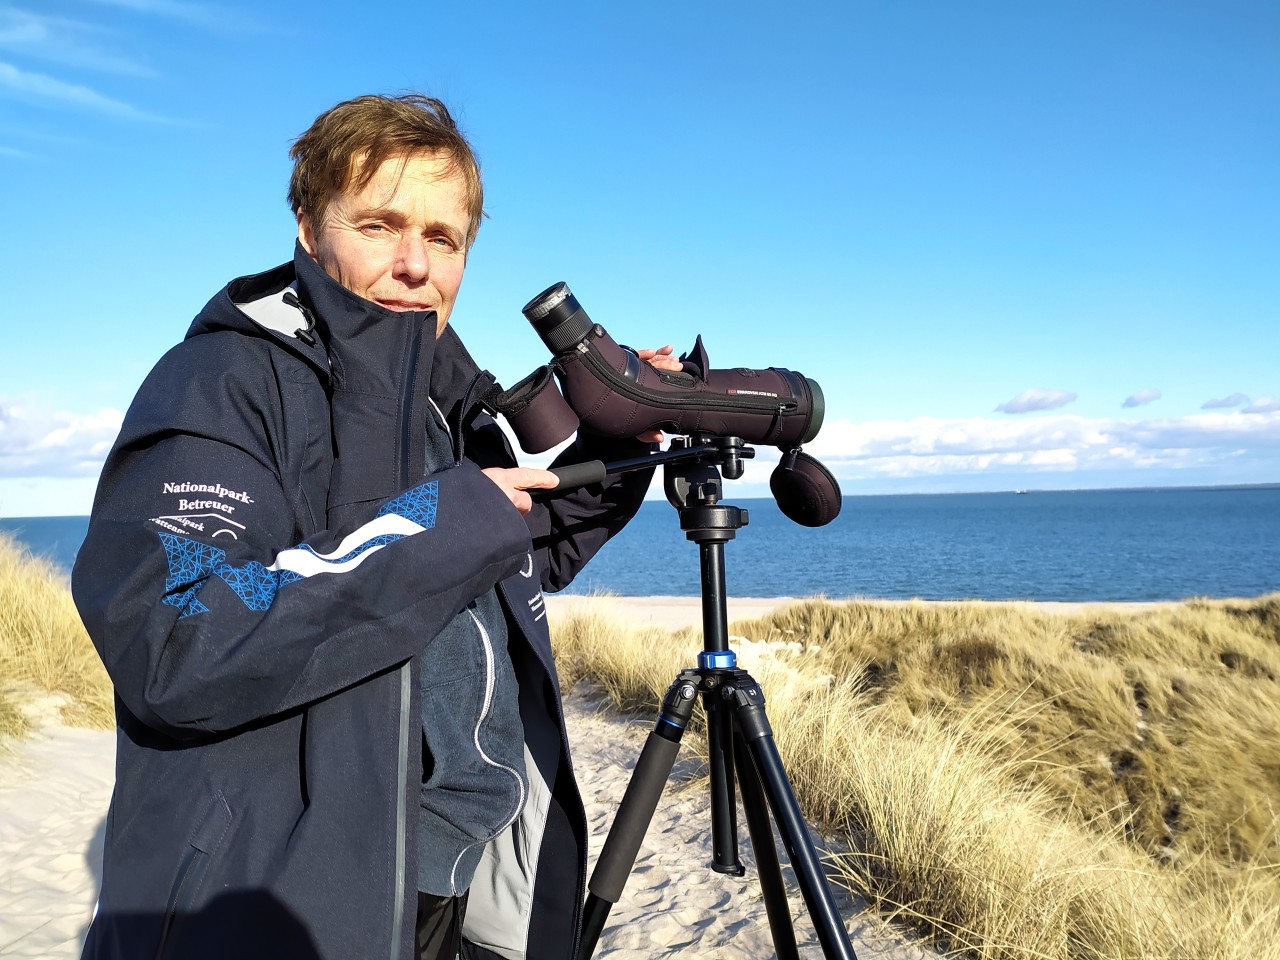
(569, 529)
(208, 609)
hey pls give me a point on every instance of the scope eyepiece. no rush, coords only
(558, 318)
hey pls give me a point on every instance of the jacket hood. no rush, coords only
(261, 305)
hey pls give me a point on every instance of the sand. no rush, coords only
(674, 905)
(55, 787)
(54, 790)
(667, 613)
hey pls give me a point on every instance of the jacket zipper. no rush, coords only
(402, 789)
(402, 762)
(624, 387)
(406, 409)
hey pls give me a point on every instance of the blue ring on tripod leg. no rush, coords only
(717, 660)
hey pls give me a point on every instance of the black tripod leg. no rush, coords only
(635, 812)
(768, 870)
(754, 728)
(724, 807)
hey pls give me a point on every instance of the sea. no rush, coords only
(1077, 545)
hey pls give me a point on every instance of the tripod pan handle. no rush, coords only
(579, 474)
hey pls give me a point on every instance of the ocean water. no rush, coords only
(54, 538)
(1116, 545)
(1085, 545)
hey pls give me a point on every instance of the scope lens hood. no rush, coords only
(819, 411)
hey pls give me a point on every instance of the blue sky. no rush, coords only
(1020, 245)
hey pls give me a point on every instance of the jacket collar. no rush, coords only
(349, 329)
(340, 314)
(371, 349)
(359, 334)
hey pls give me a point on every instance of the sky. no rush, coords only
(1019, 245)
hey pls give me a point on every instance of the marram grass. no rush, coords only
(43, 645)
(1019, 784)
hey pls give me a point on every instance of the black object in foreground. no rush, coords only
(739, 740)
(613, 393)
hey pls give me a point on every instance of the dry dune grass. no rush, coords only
(1021, 784)
(44, 646)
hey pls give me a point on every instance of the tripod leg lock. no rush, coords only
(677, 706)
(748, 699)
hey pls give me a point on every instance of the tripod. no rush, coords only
(739, 738)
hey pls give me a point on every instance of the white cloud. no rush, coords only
(63, 40)
(928, 446)
(42, 88)
(1036, 399)
(1141, 398)
(34, 443)
(205, 15)
(38, 448)
(1146, 451)
(1223, 403)
(173, 9)
(1262, 405)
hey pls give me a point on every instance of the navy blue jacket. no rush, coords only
(265, 569)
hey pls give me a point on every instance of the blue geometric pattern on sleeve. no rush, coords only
(418, 504)
(253, 583)
(189, 560)
(186, 601)
(191, 563)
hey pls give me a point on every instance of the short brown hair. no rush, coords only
(347, 144)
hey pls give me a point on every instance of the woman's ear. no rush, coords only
(306, 235)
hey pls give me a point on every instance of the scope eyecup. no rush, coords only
(558, 318)
(538, 414)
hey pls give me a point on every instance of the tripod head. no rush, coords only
(694, 486)
(696, 475)
(693, 467)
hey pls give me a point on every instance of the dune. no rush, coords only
(55, 787)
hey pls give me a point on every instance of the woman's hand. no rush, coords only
(514, 481)
(660, 359)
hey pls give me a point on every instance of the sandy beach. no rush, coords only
(54, 790)
(55, 787)
(666, 613)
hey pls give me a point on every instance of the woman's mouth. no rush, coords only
(404, 306)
